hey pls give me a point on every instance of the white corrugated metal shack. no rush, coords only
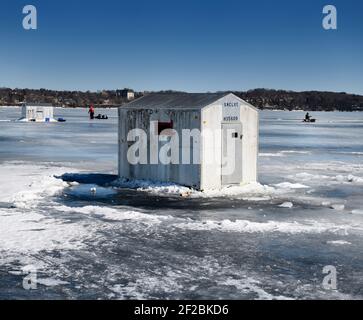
(170, 150)
(37, 112)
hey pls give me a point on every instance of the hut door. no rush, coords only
(231, 153)
(40, 115)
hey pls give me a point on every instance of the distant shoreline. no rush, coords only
(263, 99)
(265, 109)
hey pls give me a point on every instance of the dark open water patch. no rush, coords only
(195, 208)
(89, 178)
(105, 194)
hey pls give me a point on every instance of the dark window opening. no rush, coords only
(164, 126)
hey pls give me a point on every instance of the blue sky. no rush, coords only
(191, 45)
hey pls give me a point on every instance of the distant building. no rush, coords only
(226, 152)
(37, 112)
(126, 93)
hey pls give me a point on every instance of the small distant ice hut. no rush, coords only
(200, 140)
(37, 112)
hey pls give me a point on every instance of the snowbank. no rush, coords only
(115, 214)
(151, 186)
(33, 232)
(23, 226)
(254, 191)
(331, 179)
(24, 185)
(246, 226)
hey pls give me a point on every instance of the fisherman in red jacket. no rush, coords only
(91, 112)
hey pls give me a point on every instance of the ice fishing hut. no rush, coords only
(37, 112)
(201, 140)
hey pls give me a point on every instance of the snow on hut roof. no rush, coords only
(175, 100)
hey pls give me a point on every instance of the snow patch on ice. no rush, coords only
(31, 231)
(115, 214)
(288, 185)
(304, 177)
(37, 190)
(339, 242)
(295, 152)
(288, 205)
(49, 282)
(24, 227)
(351, 153)
(282, 153)
(338, 207)
(246, 226)
(249, 285)
(25, 185)
(251, 191)
(142, 287)
(266, 154)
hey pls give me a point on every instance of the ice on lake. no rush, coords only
(90, 237)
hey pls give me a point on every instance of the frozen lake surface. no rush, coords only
(265, 241)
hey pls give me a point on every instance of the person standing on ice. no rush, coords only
(91, 112)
